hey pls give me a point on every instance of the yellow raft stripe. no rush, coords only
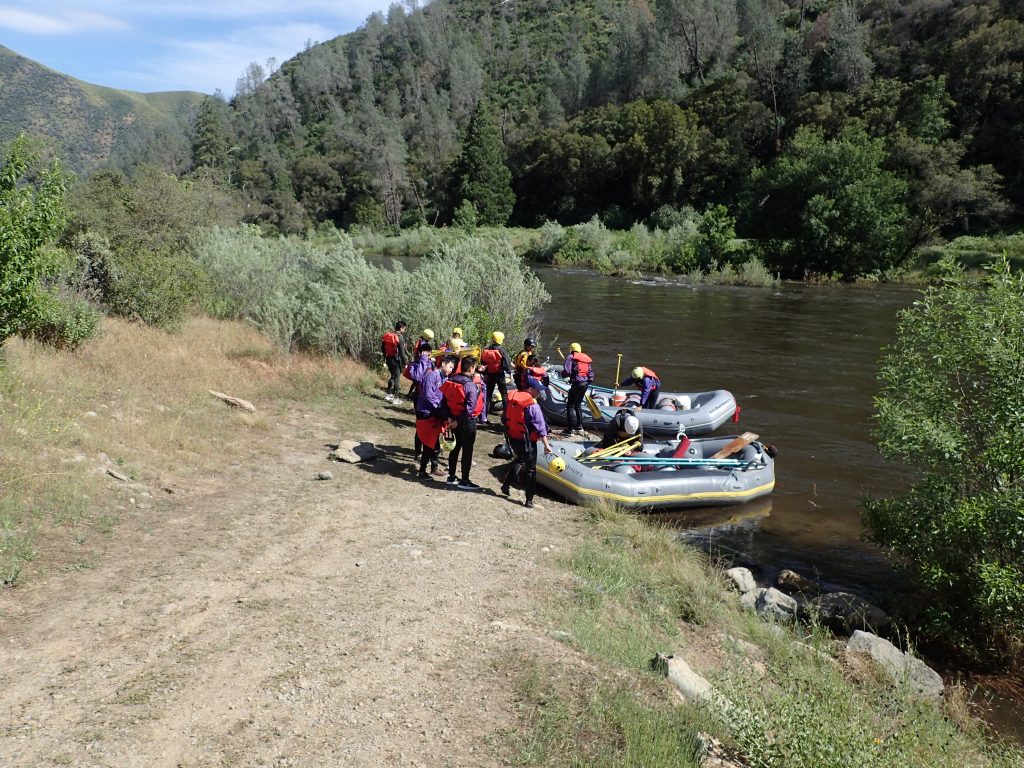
(674, 497)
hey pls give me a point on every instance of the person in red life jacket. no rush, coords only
(648, 383)
(431, 413)
(415, 371)
(392, 345)
(425, 341)
(540, 373)
(497, 367)
(525, 425)
(463, 405)
(580, 373)
(521, 362)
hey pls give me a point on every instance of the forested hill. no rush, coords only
(93, 125)
(622, 108)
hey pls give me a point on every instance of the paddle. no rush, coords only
(736, 444)
(657, 461)
(618, 366)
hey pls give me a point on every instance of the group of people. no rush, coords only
(454, 393)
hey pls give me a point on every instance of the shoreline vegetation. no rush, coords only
(130, 404)
(681, 250)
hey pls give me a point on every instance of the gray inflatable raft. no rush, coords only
(695, 481)
(698, 413)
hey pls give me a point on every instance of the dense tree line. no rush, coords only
(821, 125)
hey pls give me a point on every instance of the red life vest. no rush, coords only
(491, 358)
(649, 372)
(538, 372)
(455, 395)
(391, 342)
(582, 364)
(515, 415)
(480, 398)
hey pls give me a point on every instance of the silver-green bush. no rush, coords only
(328, 298)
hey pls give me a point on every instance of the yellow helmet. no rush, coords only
(427, 334)
(456, 331)
(447, 441)
(496, 396)
(557, 464)
(638, 372)
(497, 337)
(575, 347)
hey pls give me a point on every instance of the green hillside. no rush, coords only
(92, 125)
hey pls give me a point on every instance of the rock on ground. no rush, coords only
(900, 667)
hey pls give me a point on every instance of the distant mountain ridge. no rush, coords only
(93, 125)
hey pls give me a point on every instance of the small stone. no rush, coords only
(91, 415)
(360, 563)
(324, 476)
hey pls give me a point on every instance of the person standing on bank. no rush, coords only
(497, 367)
(648, 383)
(430, 419)
(392, 345)
(464, 405)
(580, 373)
(525, 425)
(521, 362)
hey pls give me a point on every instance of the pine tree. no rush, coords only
(481, 175)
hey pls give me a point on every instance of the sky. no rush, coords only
(172, 45)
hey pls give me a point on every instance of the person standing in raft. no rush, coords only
(521, 362)
(647, 382)
(497, 367)
(392, 346)
(430, 414)
(580, 373)
(464, 404)
(525, 425)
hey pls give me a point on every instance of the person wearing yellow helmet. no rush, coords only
(580, 373)
(525, 426)
(425, 341)
(647, 382)
(497, 368)
(455, 343)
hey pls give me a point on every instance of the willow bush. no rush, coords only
(326, 297)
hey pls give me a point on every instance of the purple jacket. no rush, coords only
(570, 371)
(647, 385)
(429, 398)
(533, 417)
(420, 366)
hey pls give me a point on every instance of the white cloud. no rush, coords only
(67, 22)
(206, 65)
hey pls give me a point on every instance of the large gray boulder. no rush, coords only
(352, 452)
(902, 668)
(775, 604)
(844, 612)
(742, 578)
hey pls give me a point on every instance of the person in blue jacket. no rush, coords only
(649, 384)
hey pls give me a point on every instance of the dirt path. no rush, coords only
(265, 618)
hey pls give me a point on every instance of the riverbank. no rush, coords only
(212, 601)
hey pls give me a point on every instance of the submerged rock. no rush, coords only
(791, 581)
(844, 612)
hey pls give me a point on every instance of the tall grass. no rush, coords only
(135, 400)
(327, 298)
(787, 698)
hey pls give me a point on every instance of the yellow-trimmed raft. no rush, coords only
(695, 480)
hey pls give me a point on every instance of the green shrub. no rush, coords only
(952, 407)
(330, 299)
(62, 321)
(465, 217)
(31, 214)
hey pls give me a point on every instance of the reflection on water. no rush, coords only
(801, 362)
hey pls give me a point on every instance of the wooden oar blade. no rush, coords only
(736, 444)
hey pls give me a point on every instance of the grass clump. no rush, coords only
(786, 697)
(603, 725)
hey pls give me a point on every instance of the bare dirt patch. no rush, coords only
(263, 617)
